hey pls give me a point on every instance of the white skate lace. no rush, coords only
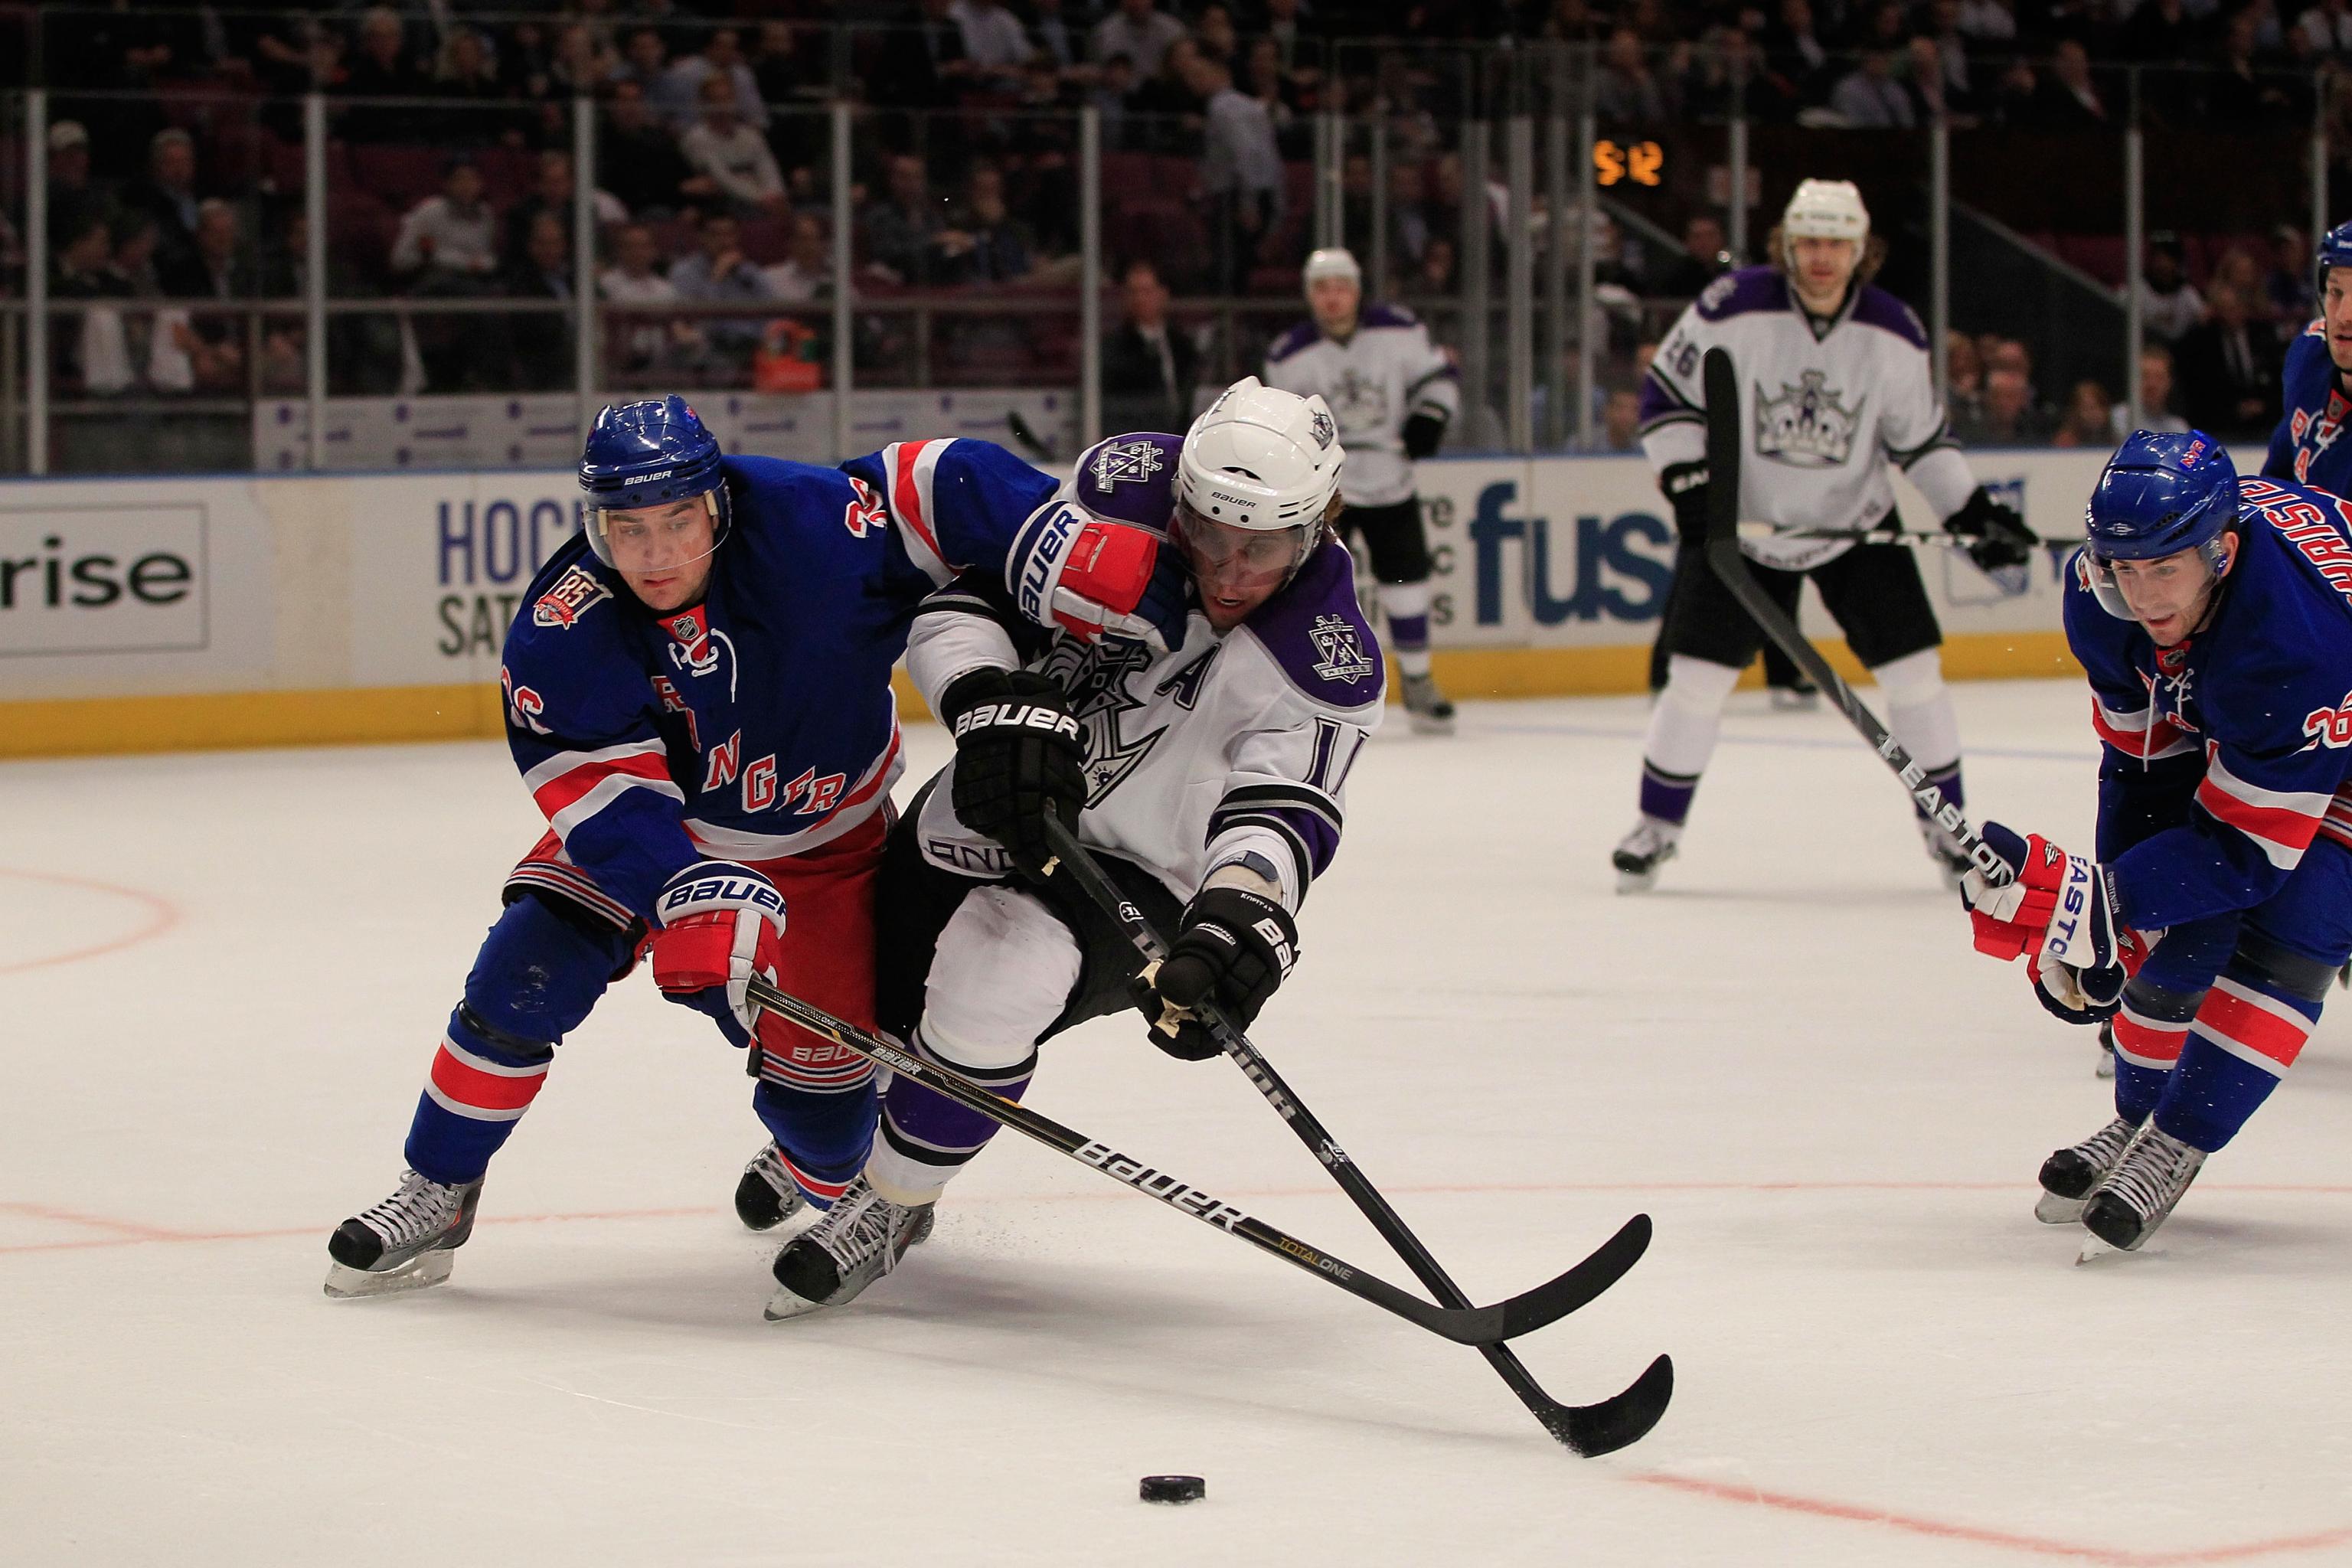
(2153, 1174)
(769, 1168)
(2103, 1147)
(1647, 838)
(861, 1234)
(415, 1211)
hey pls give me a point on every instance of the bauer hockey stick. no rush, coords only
(1465, 1325)
(1724, 441)
(1910, 538)
(1589, 1429)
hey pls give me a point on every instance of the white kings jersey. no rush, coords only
(1825, 406)
(1231, 750)
(1383, 375)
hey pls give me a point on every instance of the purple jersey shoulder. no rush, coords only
(1317, 632)
(1130, 478)
(1748, 290)
(1380, 314)
(1876, 308)
(1301, 336)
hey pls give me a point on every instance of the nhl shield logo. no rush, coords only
(1340, 654)
(1806, 427)
(1126, 463)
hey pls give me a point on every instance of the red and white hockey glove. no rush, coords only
(721, 924)
(1095, 579)
(2058, 913)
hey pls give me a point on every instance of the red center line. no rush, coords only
(162, 916)
(2040, 1546)
(140, 1236)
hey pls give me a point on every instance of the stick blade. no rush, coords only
(1619, 1421)
(1550, 1302)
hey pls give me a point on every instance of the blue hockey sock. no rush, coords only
(824, 1138)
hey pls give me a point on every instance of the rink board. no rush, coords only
(155, 615)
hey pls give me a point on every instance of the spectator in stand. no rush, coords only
(88, 351)
(1241, 173)
(1266, 83)
(679, 97)
(1703, 260)
(1950, 42)
(902, 228)
(733, 156)
(645, 59)
(1868, 98)
(720, 271)
(2230, 369)
(382, 67)
(1052, 35)
(983, 243)
(1796, 53)
(993, 41)
(2236, 96)
(447, 247)
(2327, 28)
(2237, 268)
(363, 351)
(792, 79)
(640, 160)
(2067, 99)
(169, 195)
(1140, 31)
(1214, 36)
(804, 276)
(1113, 92)
(921, 65)
(1409, 220)
(1726, 68)
(2156, 411)
(1923, 81)
(2010, 418)
(72, 196)
(1964, 371)
(554, 194)
(583, 63)
(1149, 365)
(1621, 420)
(134, 253)
(643, 347)
(2169, 304)
(1988, 23)
(1629, 95)
(2287, 285)
(219, 267)
(544, 341)
(2085, 422)
(1436, 274)
(1171, 104)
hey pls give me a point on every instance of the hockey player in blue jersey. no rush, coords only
(697, 694)
(2308, 446)
(2214, 617)
(1208, 777)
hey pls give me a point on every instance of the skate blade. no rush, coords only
(1422, 725)
(2052, 1209)
(783, 1306)
(426, 1269)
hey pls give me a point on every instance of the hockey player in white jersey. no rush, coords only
(1835, 383)
(1394, 393)
(1207, 776)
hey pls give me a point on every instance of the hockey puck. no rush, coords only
(1174, 1489)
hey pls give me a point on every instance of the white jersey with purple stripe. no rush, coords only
(1826, 405)
(1231, 747)
(760, 723)
(2228, 754)
(1383, 374)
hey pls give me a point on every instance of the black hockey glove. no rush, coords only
(1684, 485)
(1996, 535)
(1018, 756)
(1233, 948)
(1422, 434)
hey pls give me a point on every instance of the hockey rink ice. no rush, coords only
(222, 977)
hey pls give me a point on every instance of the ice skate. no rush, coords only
(1640, 852)
(2139, 1194)
(859, 1240)
(2070, 1173)
(1426, 708)
(407, 1242)
(767, 1195)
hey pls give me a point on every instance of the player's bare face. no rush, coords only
(663, 553)
(2168, 595)
(1335, 302)
(1236, 569)
(2336, 306)
(1822, 269)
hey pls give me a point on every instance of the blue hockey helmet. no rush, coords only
(2161, 493)
(2334, 250)
(650, 454)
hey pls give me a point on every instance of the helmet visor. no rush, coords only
(1240, 560)
(651, 541)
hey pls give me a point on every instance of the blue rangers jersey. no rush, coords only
(759, 723)
(2307, 446)
(2226, 755)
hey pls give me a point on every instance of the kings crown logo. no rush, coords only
(1342, 656)
(1125, 462)
(1806, 427)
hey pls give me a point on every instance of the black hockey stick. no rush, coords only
(1031, 442)
(1724, 441)
(1589, 1429)
(1917, 539)
(1467, 1325)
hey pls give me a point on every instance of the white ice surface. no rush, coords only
(1788, 1055)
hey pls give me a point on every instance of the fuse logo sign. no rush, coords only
(103, 579)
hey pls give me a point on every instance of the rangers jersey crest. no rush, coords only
(1808, 425)
(1339, 653)
(568, 598)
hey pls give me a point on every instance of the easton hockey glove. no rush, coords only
(2059, 912)
(1018, 758)
(721, 924)
(1996, 535)
(1095, 579)
(1684, 487)
(1233, 947)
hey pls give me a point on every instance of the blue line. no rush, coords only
(1792, 743)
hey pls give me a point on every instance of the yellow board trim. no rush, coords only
(231, 720)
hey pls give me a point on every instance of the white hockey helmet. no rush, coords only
(1331, 261)
(1826, 209)
(1261, 461)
